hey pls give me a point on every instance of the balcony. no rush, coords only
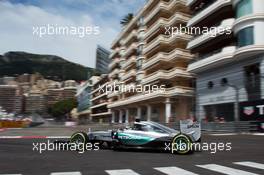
(98, 96)
(130, 49)
(114, 63)
(177, 17)
(166, 75)
(166, 6)
(99, 105)
(208, 11)
(113, 82)
(215, 59)
(113, 94)
(172, 56)
(131, 73)
(129, 62)
(217, 31)
(101, 114)
(169, 92)
(114, 53)
(166, 39)
(248, 51)
(114, 72)
(130, 36)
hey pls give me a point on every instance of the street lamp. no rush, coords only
(224, 82)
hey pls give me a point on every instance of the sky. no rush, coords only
(21, 22)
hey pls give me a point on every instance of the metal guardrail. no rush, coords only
(241, 126)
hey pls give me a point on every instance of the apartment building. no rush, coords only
(99, 110)
(10, 98)
(34, 102)
(56, 92)
(145, 55)
(229, 66)
(84, 99)
(102, 60)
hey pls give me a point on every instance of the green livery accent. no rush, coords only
(132, 139)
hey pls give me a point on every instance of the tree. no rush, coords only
(60, 109)
(127, 19)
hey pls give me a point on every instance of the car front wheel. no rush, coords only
(181, 144)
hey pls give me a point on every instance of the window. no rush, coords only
(252, 81)
(210, 85)
(245, 37)
(224, 81)
(244, 7)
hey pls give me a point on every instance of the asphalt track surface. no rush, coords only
(245, 158)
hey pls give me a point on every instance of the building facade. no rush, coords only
(99, 109)
(34, 102)
(84, 98)
(102, 60)
(60, 91)
(146, 55)
(229, 66)
(10, 98)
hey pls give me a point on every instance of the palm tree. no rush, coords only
(127, 19)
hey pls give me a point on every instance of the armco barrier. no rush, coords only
(13, 124)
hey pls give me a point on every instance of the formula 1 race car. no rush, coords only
(145, 135)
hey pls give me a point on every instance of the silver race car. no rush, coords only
(145, 135)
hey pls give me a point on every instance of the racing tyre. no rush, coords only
(181, 144)
(79, 138)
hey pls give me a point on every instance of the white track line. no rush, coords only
(258, 134)
(67, 173)
(174, 171)
(225, 170)
(121, 172)
(251, 164)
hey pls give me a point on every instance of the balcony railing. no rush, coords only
(166, 39)
(181, 17)
(131, 60)
(166, 74)
(165, 6)
(163, 56)
(208, 11)
(113, 63)
(129, 74)
(130, 49)
(217, 31)
(130, 36)
(114, 72)
(114, 52)
(213, 59)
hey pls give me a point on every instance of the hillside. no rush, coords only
(50, 66)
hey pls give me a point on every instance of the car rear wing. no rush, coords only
(191, 128)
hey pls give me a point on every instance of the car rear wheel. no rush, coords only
(79, 138)
(181, 144)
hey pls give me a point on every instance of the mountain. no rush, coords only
(50, 66)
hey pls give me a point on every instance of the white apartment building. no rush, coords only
(229, 67)
(143, 54)
(99, 101)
